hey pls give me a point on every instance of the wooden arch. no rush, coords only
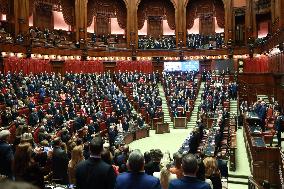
(192, 10)
(169, 11)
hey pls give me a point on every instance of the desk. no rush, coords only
(141, 133)
(258, 142)
(128, 138)
(180, 123)
(162, 128)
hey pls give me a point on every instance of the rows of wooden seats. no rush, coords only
(180, 108)
(264, 161)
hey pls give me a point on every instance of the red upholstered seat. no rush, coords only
(103, 126)
(108, 109)
(24, 111)
(88, 121)
(35, 135)
(226, 104)
(12, 130)
(47, 100)
(269, 113)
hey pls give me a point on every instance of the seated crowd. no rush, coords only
(181, 91)
(164, 42)
(198, 41)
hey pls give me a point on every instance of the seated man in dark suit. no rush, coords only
(136, 178)
(190, 167)
(94, 173)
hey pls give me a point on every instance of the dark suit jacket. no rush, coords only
(222, 165)
(137, 181)
(188, 182)
(60, 165)
(6, 158)
(94, 173)
(152, 167)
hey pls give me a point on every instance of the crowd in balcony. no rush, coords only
(164, 42)
(198, 41)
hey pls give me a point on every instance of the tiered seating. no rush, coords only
(5, 37)
(198, 41)
(217, 138)
(216, 93)
(84, 98)
(164, 42)
(143, 92)
(55, 38)
(260, 156)
(180, 90)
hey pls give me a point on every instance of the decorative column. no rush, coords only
(132, 27)
(250, 21)
(180, 22)
(81, 19)
(229, 26)
(21, 15)
(272, 8)
(281, 12)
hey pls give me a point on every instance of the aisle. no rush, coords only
(165, 142)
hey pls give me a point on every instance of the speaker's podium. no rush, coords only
(180, 123)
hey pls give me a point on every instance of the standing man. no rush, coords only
(59, 162)
(189, 180)
(94, 173)
(136, 177)
(6, 154)
(278, 127)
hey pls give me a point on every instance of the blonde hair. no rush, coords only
(165, 177)
(211, 167)
(76, 156)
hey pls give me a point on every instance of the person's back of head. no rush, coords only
(135, 161)
(178, 160)
(189, 165)
(96, 145)
(56, 142)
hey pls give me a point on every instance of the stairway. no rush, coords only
(233, 108)
(167, 117)
(238, 179)
(193, 117)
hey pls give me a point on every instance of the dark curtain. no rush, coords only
(259, 64)
(78, 66)
(16, 65)
(140, 66)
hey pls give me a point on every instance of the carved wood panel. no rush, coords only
(206, 24)
(155, 26)
(43, 16)
(102, 26)
(195, 8)
(159, 8)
